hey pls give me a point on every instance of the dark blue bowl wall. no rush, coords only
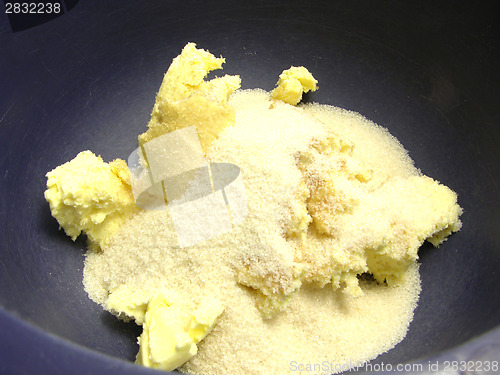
(87, 80)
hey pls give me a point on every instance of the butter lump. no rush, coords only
(128, 304)
(293, 83)
(383, 233)
(170, 335)
(164, 344)
(186, 99)
(90, 196)
(417, 209)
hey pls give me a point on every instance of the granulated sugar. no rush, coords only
(319, 323)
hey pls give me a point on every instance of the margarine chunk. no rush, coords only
(90, 196)
(186, 99)
(293, 83)
(169, 335)
(128, 304)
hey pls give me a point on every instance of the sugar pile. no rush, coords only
(318, 324)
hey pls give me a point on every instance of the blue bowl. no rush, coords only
(87, 79)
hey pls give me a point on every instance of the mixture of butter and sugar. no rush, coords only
(323, 270)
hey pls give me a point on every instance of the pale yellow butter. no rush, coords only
(203, 319)
(293, 83)
(169, 336)
(90, 196)
(128, 304)
(186, 99)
